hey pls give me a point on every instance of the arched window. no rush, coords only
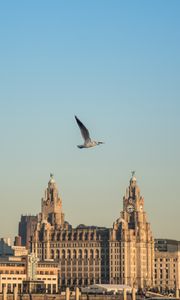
(91, 254)
(52, 254)
(85, 254)
(74, 254)
(57, 254)
(63, 254)
(97, 253)
(80, 254)
(80, 236)
(68, 254)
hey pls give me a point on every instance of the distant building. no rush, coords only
(7, 250)
(92, 255)
(5, 247)
(167, 265)
(26, 229)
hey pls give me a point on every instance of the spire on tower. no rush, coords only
(51, 180)
(133, 178)
(133, 173)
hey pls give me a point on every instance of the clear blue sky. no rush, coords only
(116, 64)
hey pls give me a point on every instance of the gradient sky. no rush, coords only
(116, 65)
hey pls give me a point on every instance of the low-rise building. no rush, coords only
(14, 271)
(167, 265)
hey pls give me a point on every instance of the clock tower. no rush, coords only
(136, 243)
(133, 203)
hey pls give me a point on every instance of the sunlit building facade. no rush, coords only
(89, 254)
(167, 265)
(131, 243)
(15, 271)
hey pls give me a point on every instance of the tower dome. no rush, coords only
(51, 180)
(133, 178)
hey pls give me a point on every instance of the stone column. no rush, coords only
(15, 293)
(177, 293)
(5, 292)
(124, 295)
(67, 294)
(77, 294)
(51, 289)
(133, 294)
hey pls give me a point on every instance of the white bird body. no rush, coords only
(88, 143)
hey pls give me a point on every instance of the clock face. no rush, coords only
(130, 201)
(130, 208)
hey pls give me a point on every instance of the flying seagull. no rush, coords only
(88, 143)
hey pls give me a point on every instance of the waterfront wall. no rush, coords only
(63, 297)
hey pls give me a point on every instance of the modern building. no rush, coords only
(5, 247)
(167, 265)
(7, 250)
(16, 271)
(88, 255)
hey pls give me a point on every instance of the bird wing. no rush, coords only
(84, 130)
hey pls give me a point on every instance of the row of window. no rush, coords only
(165, 259)
(11, 272)
(74, 237)
(161, 276)
(163, 266)
(71, 245)
(157, 282)
(169, 271)
(12, 278)
(46, 272)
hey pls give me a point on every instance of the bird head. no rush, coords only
(99, 143)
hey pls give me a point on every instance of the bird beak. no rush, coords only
(100, 143)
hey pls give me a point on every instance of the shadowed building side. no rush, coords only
(26, 229)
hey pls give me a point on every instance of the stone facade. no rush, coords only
(82, 252)
(167, 265)
(90, 254)
(132, 243)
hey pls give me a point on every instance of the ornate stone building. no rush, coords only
(90, 254)
(82, 252)
(132, 243)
